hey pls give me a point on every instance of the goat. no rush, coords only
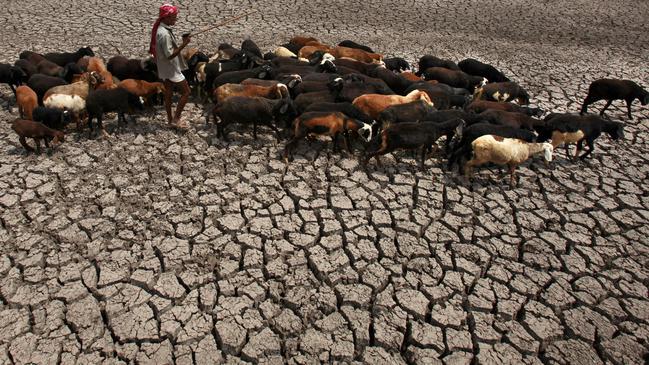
(614, 89)
(570, 128)
(326, 123)
(478, 106)
(396, 64)
(414, 135)
(251, 110)
(352, 44)
(144, 89)
(117, 100)
(373, 104)
(124, 68)
(428, 61)
(27, 101)
(477, 68)
(41, 83)
(64, 58)
(53, 118)
(38, 131)
(502, 91)
(12, 75)
(504, 151)
(226, 91)
(454, 78)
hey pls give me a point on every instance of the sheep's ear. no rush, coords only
(283, 108)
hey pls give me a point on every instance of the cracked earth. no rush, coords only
(156, 247)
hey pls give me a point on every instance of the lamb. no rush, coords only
(454, 78)
(144, 89)
(396, 64)
(352, 44)
(251, 110)
(504, 151)
(53, 118)
(502, 91)
(38, 131)
(226, 91)
(412, 136)
(41, 83)
(373, 104)
(27, 101)
(12, 75)
(614, 89)
(114, 100)
(478, 106)
(570, 128)
(326, 123)
(64, 58)
(124, 68)
(477, 68)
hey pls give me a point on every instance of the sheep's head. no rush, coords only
(281, 91)
(18, 75)
(86, 51)
(292, 80)
(94, 79)
(59, 137)
(547, 151)
(366, 131)
(645, 99)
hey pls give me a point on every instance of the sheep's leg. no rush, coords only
(276, 130)
(591, 148)
(608, 103)
(38, 145)
(254, 130)
(290, 145)
(584, 107)
(512, 173)
(23, 142)
(567, 147)
(348, 144)
(423, 157)
(628, 108)
(580, 144)
(334, 142)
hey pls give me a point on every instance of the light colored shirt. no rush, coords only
(168, 69)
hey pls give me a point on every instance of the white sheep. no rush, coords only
(504, 151)
(284, 52)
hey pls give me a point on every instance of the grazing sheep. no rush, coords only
(502, 91)
(428, 61)
(478, 106)
(504, 151)
(396, 64)
(570, 128)
(12, 75)
(53, 118)
(38, 131)
(373, 104)
(413, 136)
(356, 54)
(352, 44)
(326, 123)
(114, 100)
(64, 58)
(454, 78)
(614, 89)
(251, 110)
(27, 101)
(477, 68)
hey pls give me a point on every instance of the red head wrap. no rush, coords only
(165, 11)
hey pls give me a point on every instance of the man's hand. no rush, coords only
(186, 39)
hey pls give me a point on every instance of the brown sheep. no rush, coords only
(27, 100)
(374, 104)
(142, 88)
(225, 91)
(306, 51)
(302, 41)
(37, 131)
(356, 54)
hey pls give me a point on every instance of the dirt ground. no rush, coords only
(154, 247)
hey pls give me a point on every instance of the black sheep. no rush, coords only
(251, 47)
(113, 100)
(463, 148)
(352, 44)
(53, 118)
(235, 77)
(568, 128)
(396, 82)
(28, 67)
(32, 57)
(454, 78)
(512, 119)
(124, 68)
(41, 83)
(356, 85)
(12, 76)
(428, 61)
(478, 106)
(396, 64)
(358, 66)
(477, 68)
(251, 110)
(295, 48)
(411, 112)
(64, 58)
(330, 95)
(614, 89)
(503, 91)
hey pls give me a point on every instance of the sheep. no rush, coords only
(570, 128)
(414, 135)
(352, 44)
(303, 100)
(454, 78)
(32, 57)
(614, 89)
(373, 104)
(226, 91)
(53, 118)
(411, 112)
(434, 86)
(215, 69)
(41, 83)
(441, 99)
(251, 110)
(235, 77)
(302, 41)
(225, 51)
(284, 52)
(117, 100)
(73, 96)
(357, 85)
(396, 64)
(145, 89)
(502, 91)
(346, 108)
(27, 101)
(478, 106)
(306, 51)
(356, 54)
(302, 70)
(250, 46)
(477, 68)
(291, 81)
(28, 67)
(504, 151)
(12, 76)
(409, 75)
(326, 123)
(64, 58)
(395, 81)
(358, 66)
(38, 131)
(193, 57)
(95, 64)
(428, 61)
(512, 119)
(124, 68)
(463, 147)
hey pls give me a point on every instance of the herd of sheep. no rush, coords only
(307, 88)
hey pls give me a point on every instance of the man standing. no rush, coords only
(170, 63)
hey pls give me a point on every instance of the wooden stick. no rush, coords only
(222, 23)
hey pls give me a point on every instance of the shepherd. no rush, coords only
(166, 52)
